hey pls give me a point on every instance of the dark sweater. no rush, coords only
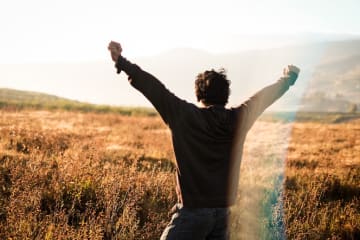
(208, 142)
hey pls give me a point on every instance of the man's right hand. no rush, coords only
(115, 50)
(291, 72)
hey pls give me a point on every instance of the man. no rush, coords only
(207, 141)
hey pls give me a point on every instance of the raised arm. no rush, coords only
(165, 102)
(256, 105)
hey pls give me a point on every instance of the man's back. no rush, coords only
(202, 139)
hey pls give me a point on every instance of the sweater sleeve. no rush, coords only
(256, 105)
(165, 102)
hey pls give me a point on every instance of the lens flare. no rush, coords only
(258, 212)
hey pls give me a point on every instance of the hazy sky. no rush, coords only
(79, 30)
(40, 34)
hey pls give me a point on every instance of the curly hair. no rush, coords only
(212, 87)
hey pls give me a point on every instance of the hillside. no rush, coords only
(12, 96)
(16, 99)
(335, 83)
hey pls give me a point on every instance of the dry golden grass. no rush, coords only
(67, 175)
(322, 186)
(76, 176)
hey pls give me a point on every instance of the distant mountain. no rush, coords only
(329, 78)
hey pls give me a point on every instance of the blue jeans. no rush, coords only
(197, 223)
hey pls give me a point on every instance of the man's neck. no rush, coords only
(201, 104)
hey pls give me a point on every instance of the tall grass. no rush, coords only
(71, 175)
(322, 186)
(78, 176)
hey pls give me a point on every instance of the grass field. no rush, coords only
(73, 175)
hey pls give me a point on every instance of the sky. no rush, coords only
(75, 31)
(44, 44)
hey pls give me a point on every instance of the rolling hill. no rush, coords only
(18, 100)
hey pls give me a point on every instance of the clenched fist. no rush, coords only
(291, 72)
(115, 50)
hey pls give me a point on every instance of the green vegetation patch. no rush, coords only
(318, 117)
(20, 100)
